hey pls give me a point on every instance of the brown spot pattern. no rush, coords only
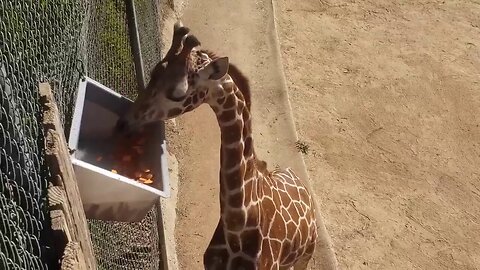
(174, 112)
(232, 134)
(187, 102)
(278, 227)
(248, 149)
(230, 102)
(251, 242)
(195, 99)
(253, 218)
(234, 242)
(276, 247)
(227, 116)
(233, 156)
(233, 181)
(221, 100)
(235, 200)
(248, 192)
(234, 220)
(241, 263)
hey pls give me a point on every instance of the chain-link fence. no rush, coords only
(122, 245)
(110, 59)
(148, 29)
(39, 42)
(59, 41)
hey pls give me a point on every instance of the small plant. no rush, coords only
(302, 146)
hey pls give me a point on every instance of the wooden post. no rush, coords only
(69, 224)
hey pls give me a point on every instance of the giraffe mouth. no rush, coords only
(122, 126)
(126, 128)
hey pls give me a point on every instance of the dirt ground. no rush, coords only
(385, 94)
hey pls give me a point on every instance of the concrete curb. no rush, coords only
(169, 207)
(327, 252)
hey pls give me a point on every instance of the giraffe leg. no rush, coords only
(216, 256)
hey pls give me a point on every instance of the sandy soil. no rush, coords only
(247, 36)
(386, 97)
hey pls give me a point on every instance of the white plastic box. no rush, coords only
(106, 195)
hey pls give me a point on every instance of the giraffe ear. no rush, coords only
(216, 69)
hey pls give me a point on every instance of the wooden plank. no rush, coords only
(59, 223)
(64, 195)
(73, 257)
(56, 197)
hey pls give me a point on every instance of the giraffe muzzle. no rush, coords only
(122, 127)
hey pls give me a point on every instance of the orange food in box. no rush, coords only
(126, 158)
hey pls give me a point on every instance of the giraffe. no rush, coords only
(267, 218)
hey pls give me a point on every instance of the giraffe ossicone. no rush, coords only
(267, 218)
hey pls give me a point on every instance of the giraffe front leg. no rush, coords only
(216, 256)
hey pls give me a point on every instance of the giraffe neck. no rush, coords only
(238, 169)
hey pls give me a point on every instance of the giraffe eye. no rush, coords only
(171, 96)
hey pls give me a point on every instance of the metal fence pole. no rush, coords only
(135, 43)
(140, 77)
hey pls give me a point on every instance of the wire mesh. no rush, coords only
(122, 245)
(59, 41)
(127, 246)
(148, 21)
(39, 41)
(109, 54)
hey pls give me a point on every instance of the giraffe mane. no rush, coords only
(238, 78)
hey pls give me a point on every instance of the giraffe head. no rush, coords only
(182, 81)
